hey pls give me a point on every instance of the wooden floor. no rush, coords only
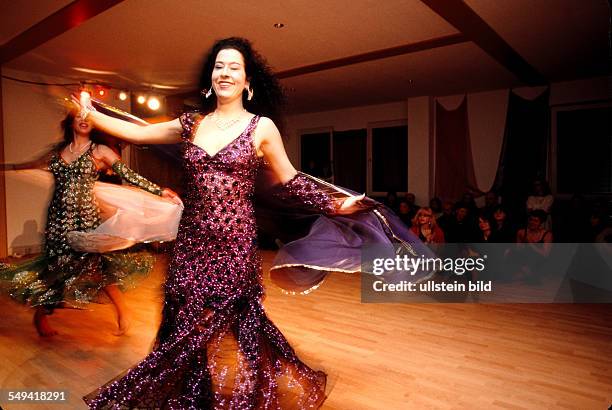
(377, 356)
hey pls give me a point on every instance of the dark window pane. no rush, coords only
(350, 151)
(584, 151)
(315, 154)
(390, 159)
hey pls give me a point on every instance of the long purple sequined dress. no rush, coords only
(216, 348)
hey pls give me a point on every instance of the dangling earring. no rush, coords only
(208, 93)
(250, 93)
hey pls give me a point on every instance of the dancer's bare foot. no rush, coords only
(42, 324)
(123, 325)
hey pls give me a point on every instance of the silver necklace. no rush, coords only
(85, 148)
(225, 124)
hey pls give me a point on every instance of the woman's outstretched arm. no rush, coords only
(272, 148)
(41, 162)
(168, 132)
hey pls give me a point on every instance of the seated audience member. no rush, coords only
(485, 227)
(541, 199)
(503, 230)
(405, 213)
(488, 233)
(446, 219)
(491, 202)
(411, 199)
(467, 201)
(391, 201)
(462, 228)
(535, 232)
(534, 244)
(436, 206)
(425, 227)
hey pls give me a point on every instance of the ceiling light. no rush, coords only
(141, 99)
(153, 103)
(279, 25)
(123, 96)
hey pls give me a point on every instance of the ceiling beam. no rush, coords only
(68, 17)
(464, 19)
(374, 55)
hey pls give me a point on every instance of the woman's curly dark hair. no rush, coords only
(269, 97)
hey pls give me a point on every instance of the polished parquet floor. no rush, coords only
(377, 356)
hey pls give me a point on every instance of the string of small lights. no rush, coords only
(100, 90)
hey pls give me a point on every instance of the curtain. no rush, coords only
(523, 156)
(454, 163)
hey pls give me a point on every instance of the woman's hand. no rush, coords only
(83, 104)
(171, 196)
(351, 205)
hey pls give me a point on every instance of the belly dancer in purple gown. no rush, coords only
(216, 348)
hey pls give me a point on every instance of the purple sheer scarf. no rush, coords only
(329, 243)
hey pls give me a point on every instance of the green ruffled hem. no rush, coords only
(74, 279)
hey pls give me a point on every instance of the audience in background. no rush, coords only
(436, 206)
(467, 201)
(462, 228)
(491, 202)
(446, 219)
(485, 227)
(425, 227)
(405, 213)
(534, 244)
(579, 221)
(411, 199)
(392, 202)
(541, 199)
(535, 231)
(503, 228)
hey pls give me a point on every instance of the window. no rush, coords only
(388, 158)
(316, 154)
(372, 160)
(350, 159)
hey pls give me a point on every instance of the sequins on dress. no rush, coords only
(216, 348)
(62, 275)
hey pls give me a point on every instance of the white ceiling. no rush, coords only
(163, 42)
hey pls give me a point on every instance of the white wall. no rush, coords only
(31, 124)
(420, 147)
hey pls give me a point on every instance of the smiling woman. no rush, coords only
(216, 347)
